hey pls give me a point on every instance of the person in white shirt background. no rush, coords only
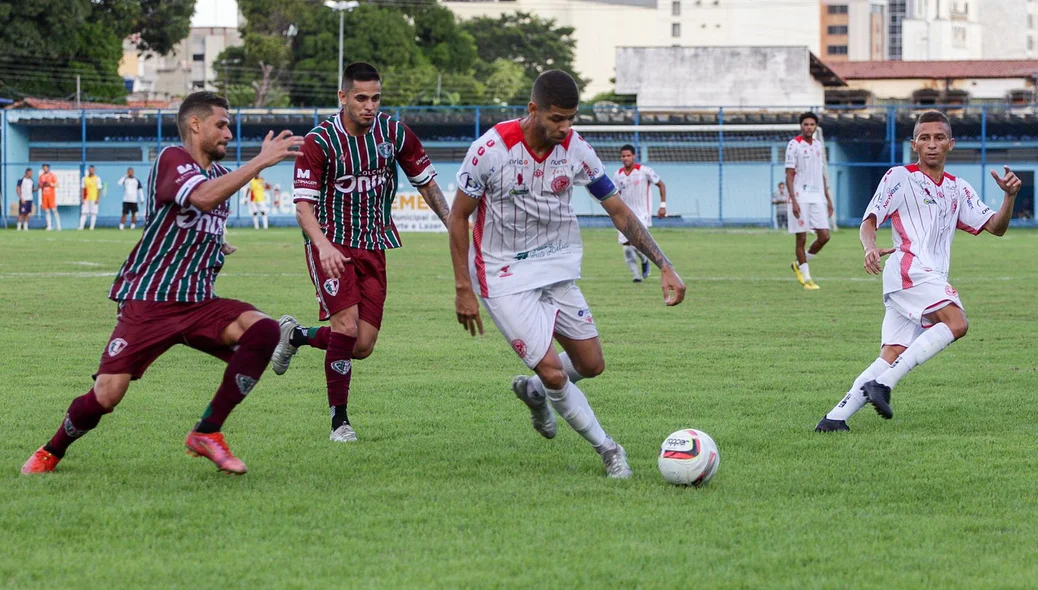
(133, 195)
(24, 189)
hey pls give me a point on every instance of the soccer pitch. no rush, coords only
(449, 485)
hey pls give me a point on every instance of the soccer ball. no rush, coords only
(689, 458)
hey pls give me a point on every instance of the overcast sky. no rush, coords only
(215, 13)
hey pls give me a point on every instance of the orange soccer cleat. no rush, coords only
(214, 447)
(40, 462)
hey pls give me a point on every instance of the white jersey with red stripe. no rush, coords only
(635, 188)
(525, 233)
(924, 216)
(807, 159)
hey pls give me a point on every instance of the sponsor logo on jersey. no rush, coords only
(331, 286)
(560, 184)
(518, 162)
(561, 162)
(212, 222)
(538, 173)
(302, 174)
(367, 181)
(385, 149)
(543, 251)
(245, 383)
(468, 183)
(116, 346)
(519, 347)
(929, 201)
(186, 168)
(504, 272)
(341, 367)
(585, 314)
(519, 178)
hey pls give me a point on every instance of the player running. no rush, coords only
(634, 185)
(810, 205)
(925, 205)
(165, 287)
(526, 252)
(345, 183)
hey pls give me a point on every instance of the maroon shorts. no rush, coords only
(146, 329)
(363, 283)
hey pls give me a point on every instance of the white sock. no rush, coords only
(46, 215)
(19, 228)
(810, 256)
(265, 221)
(255, 221)
(805, 271)
(631, 256)
(121, 228)
(537, 386)
(932, 341)
(133, 226)
(82, 221)
(93, 220)
(572, 405)
(57, 221)
(856, 398)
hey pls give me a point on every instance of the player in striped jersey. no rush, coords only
(345, 183)
(165, 287)
(517, 182)
(810, 205)
(634, 185)
(924, 315)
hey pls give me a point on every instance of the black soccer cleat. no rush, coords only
(827, 425)
(879, 397)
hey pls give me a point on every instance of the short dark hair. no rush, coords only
(628, 148)
(359, 71)
(28, 169)
(195, 104)
(807, 115)
(47, 165)
(931, 117)
(555, 88)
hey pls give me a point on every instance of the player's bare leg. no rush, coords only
(133, 220)
(122, 222)
(950, 324)
(83, 415)
(254, 335)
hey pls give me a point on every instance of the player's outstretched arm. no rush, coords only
(434, 198)
(211, 193)
(465, 304)
(1010, 183)
(631, 227)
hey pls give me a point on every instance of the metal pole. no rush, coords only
(158, 134)
(983, 149)
(77, 91)
(3, 170)
(82, 142)
(892, 134)
(342, 15)
(478, 134)
(317, 117)
(637, 136)
(720, 165)
(237, 156)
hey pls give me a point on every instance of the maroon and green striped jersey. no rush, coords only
(178, 256)
(352, 181)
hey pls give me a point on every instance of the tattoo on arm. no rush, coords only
(640, 238)
(434, 198)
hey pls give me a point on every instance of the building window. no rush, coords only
(675, 8)
(837, 9)
(1030, 43)
(837, 29)
(675, 29)
(1030, 21)
(959, 37)
(198, 57)
(837, 50)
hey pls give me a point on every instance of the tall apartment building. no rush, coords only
(854, 30)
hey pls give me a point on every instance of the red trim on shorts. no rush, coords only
(906, 244)
(477, 243)
(931, 309)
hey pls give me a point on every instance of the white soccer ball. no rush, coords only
(689, 457)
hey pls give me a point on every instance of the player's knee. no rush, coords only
(553, 377)
(823, 238)
(593, 369)
(263, 335)
(363, 350)
(958, 326)
(110, 389)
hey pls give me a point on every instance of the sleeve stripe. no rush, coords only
(424, 177)
(185, 190)
(305, 194)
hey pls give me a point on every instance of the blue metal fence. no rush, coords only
(721, 165)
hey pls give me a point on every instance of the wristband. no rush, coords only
(663, 205)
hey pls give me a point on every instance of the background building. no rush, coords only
(950, 30)
(854, 30)
(189, 67)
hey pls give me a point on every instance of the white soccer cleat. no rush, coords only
(284, 351)
(615, 460)
(343, 434)
(540, 412)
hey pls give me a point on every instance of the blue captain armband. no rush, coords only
(601, 188)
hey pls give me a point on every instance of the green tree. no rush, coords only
(48, 42)
(506, 82)
(535, 43)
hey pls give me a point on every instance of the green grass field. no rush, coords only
(450, 487)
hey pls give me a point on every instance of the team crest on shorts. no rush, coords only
(116, 346)
(519, 347)
(385, 149)
(341, 367)
(950, 291)
(331, 286)
(559, 184)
